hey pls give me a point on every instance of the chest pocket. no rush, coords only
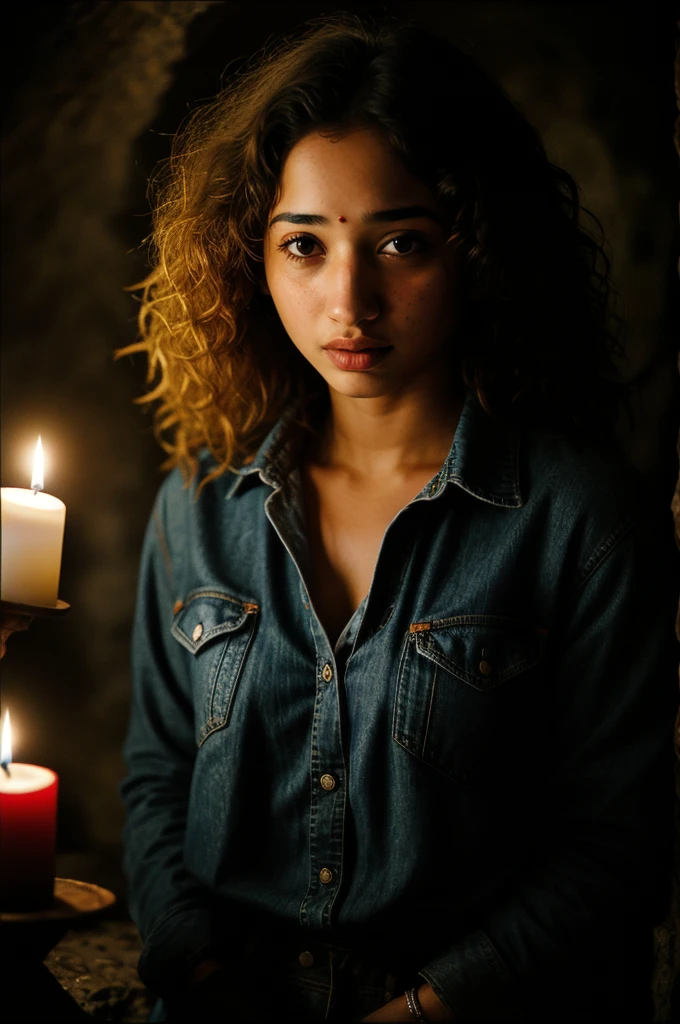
(464, 689)
(217, 629)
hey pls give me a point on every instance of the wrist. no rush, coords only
(432, 1006)
(415, 1009)
(201, 971)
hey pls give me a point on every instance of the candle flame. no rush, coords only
(38, 479)
(6, 742)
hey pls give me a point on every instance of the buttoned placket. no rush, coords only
(283, 508)
(328, 799)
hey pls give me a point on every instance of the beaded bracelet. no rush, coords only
(413, 1003)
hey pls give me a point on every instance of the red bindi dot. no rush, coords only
(343, 219)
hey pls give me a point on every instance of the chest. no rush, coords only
(346, 524)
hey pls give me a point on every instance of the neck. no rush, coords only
(390, 436)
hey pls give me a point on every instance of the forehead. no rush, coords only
(351, 170)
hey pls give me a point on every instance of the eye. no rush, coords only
(297, 240)
(407, 239)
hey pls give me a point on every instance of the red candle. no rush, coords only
(28, 827)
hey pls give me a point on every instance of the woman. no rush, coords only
(403, 692)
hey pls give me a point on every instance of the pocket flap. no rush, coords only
(207, 614)
(483, 652)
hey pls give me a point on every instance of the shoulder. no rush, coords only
(178, 499)
(591, 496)
(582, 476)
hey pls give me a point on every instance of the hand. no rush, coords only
(201, 971)
(215, 993)
(397, 1009)
(11, 622)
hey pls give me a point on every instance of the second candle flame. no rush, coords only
(38, 479)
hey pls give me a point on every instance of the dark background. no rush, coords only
(93, 92)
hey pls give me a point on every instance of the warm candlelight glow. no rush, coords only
(38, 478)
(31, 539)
(6, 742)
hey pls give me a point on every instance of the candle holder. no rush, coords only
(34, 933)
(31, 991)
(36, 611)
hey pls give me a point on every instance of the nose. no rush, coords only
(352, 290)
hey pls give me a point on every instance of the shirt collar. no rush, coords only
(273, 457)
(483, 459)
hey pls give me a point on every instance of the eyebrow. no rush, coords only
(379, 216)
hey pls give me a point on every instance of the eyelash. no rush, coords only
(283, 246)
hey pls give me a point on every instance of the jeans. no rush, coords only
(295, 976)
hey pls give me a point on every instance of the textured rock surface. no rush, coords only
(98, 967)
(667, 958)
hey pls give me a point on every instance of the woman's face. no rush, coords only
(361, 252)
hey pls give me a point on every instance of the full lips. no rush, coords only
(346, 360)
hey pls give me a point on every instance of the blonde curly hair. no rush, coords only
(537, 344)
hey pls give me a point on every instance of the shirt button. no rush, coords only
(327, 781)
(197, 633)
(327, 672)
(485, 668)
(326, 875)
(306, 959)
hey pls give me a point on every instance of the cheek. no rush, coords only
(432, 296)
(293, 301)
(289, 290)
(295, 306)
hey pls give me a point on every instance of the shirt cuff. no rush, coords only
(177, 943)
(474, 983)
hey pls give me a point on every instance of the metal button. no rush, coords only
(306, 959)
(485, 668)
(177, 607)
(326, 875)
(327, 672)
(327, 781)
(197, 633)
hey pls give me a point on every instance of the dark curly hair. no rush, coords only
(539, 336)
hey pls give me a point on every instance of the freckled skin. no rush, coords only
(353, 281)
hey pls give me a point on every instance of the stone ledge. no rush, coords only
(98, 967)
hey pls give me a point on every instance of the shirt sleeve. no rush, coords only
(609, 795)
(171, 909)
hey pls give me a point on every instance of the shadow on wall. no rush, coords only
(104, 84)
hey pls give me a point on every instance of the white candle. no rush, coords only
(32, 539)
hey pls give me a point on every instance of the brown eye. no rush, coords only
(299, 240)
(405, 245)
(304, 242)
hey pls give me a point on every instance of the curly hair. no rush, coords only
(539, 336)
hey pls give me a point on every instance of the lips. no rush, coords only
(362, 359)
(361, 344)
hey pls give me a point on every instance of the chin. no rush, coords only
(362, 386)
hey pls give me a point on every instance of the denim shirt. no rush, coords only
(471, 774)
